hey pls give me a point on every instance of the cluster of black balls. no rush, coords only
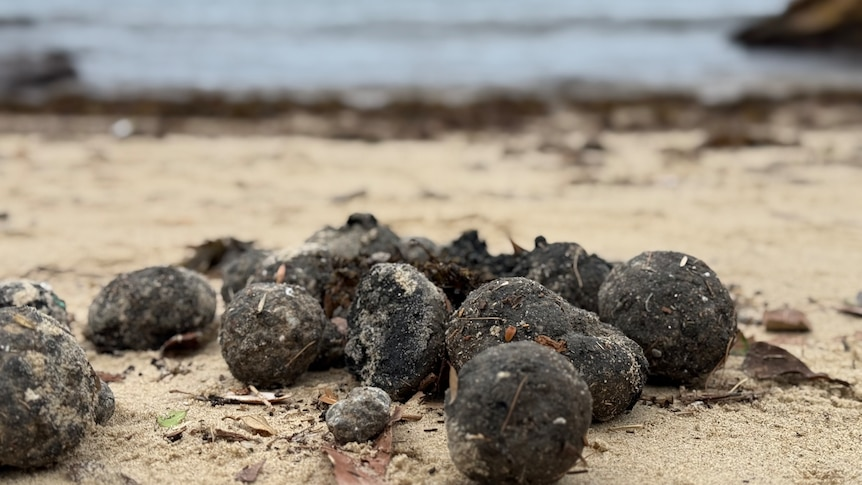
(540, 342)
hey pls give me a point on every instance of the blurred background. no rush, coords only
(364, 52)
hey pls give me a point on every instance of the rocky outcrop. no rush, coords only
(809, 24)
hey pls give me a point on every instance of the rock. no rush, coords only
(362, 235)
(674, 306)
(395, 329)
(520, 415)
(519, 309)
(38, 295)
(37, 71)
(238, 273)
(809, 24)
(51, 394)
(361, 416)
(143, 309)
(271, 333)
(553, 265)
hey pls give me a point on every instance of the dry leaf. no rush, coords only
(383, 445)
(249, 473)
(853, 310)
(558, 345)
(766, 361)
(108, 377)
(260, 398)
(453, 385)
(346, 470)
(786, 320)
(258, 424)
(328, 397)
(218, 433)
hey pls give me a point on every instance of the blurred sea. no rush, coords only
(415, 46)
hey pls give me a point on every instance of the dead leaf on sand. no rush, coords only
(109, 377)
(328, 396)
(852, 310)
(264, 398)
(257, 424)
(767, 361)
(249, 473)
(347, 472)
(786, 320)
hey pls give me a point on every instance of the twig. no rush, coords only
(292, 359)
(514, 401)
(260, 396)
(575, 267)
(626, 427)
(734, 388)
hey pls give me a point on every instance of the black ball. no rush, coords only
(51, 395)
(519, 414)
(271, 333)
(143, 309)
(674, 306)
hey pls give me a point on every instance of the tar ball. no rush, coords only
(567, 269)
(519, 414)
(238, 273)
(396, 329)
(51, 395)
(143, 309)
(676, 308)
(518, 309)
(362, 235)
(359, 417)
(309, 266)
(271, 333)
(38, 295)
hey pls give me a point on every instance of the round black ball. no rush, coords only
(519, 414)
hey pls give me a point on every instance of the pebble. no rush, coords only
(143, 309)
(361, 416)
(51, 394)
(520, 414)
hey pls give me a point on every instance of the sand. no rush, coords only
(782, 224)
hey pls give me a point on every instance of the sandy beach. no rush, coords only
(782, 224)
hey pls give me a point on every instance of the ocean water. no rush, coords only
(292, 46)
